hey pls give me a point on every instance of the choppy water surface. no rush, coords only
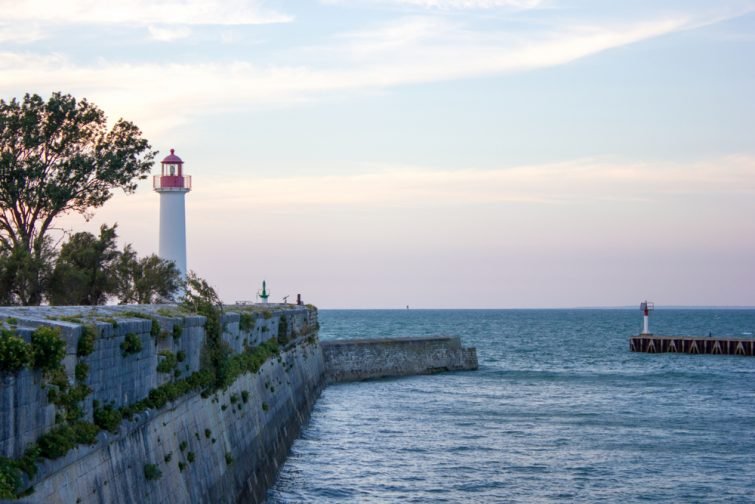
(559, 410)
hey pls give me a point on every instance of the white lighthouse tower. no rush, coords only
(646, 307)
(172, 185)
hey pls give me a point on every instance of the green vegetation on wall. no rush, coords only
(246, 322)
(282, 330)
(15, 353)
(86, 341)
(167, 363)
(131, 344)
(107, 418)
(219, 368)
(45, 351)
(152, 472)
(48, 348)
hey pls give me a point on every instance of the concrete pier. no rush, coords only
(364, 359)
(650, 343)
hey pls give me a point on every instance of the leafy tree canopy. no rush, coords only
(56, 157)
(147, 280)
(24, 276)
(84, 271)
(90, 270)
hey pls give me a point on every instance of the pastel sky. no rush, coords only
(431, 153)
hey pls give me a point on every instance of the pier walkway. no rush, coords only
(650, 343)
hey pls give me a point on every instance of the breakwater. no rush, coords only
(650, 343)
(362, 359)
(180, 439)
(126, 412)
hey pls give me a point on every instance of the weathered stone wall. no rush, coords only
(113, 377)
(255, 439)
(353, 360)
(237, 445)
(26, 414)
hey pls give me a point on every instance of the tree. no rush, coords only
(22, 275)
(146, 280)
(58, 157)
(85, 271)
(200, 297)
(90, 270)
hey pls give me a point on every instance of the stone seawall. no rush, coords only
(363, 359)
(222, 447)
(218, 446)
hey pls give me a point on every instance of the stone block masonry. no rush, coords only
(363, 359)
(221, 447)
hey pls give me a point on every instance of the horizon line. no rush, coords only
(623, 307)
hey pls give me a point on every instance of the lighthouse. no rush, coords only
(172, 185)
(646, 308)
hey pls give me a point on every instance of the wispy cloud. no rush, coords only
(405, 51)
(578, 182)
(449, 4)
(168, 34)
(20, 34)
(422, 49)
(221, 12)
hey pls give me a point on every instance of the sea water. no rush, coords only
(560, 410)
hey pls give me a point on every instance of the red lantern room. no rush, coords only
(172, 177)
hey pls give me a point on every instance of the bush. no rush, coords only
(228, 458)
(248, 361)
(69, 397)
(282, 330)
(131, 344)
(183, 445)
(108, 418)
(15, 353)
(82, 371)
(181, 356)
(86, 341)
(245, 395)
(85, 432)
(48, 348)
(28, 463)
(207, 433)
(246, 322)
(158, 397)
(152, 472)
(154, 330)
(168, 362)
(177, 331)
(181, 466)
(10, 479)
(57, 442)
(265, 406)
(190, 457)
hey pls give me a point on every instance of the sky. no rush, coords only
(429, 153)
